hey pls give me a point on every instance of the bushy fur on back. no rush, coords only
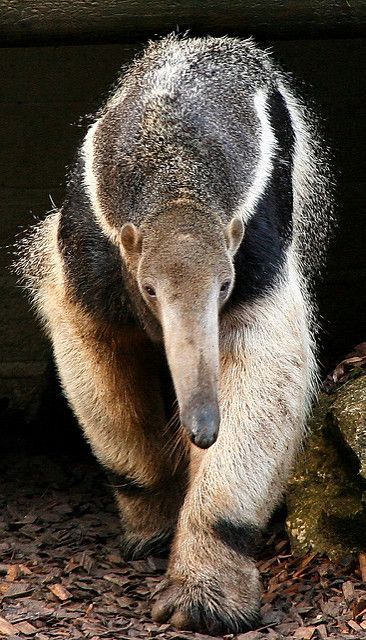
(168, 78)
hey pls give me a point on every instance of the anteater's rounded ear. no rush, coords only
(234, 234)
(131, 239)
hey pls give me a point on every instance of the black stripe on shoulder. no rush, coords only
(92, 263)
(260, 258)
(125, 484)
(245, 538)
(281, 182)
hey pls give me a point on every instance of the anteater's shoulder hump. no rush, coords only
(184, 60)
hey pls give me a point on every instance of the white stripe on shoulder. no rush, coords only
(263, 172)
(91, 183)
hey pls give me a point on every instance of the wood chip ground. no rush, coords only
(62, 575)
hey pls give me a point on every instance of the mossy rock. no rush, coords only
(347, 416)
(326, 498)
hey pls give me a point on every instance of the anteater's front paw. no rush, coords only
(213, 604)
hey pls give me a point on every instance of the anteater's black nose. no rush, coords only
(202, 424)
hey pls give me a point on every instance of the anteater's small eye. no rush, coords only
(150, 291)
(225, 286)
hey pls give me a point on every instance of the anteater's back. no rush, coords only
(213, 117)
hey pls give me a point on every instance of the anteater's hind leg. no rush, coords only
(112, 381)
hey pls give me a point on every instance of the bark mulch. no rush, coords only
(62, 574)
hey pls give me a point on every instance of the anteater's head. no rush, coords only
(182, 261)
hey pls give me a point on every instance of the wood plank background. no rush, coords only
(62, 21)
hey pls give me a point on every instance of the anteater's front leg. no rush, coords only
(112, 381)
(212, 583)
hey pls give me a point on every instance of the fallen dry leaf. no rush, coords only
(26, 628)
(18, 590)
(60, 592)
(354, 625)
(348, 592)
(6, 628)
(359, 608)
(250, 635)
(305, 562)
(322, 631)
(13, 572)
(304, 633)
(341, 373)
(362, 561)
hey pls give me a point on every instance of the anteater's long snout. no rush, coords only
(191, 344)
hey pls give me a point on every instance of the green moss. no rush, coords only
(326, 510)
(347, 417)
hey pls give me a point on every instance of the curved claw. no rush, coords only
(186, 607)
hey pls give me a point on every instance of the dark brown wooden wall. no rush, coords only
(29, 22)
(44, 93)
